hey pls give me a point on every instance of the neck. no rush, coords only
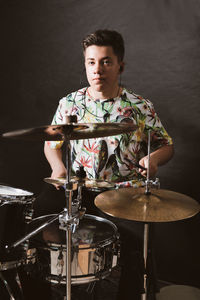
(115, 92)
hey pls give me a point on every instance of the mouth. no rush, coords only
(99, 79)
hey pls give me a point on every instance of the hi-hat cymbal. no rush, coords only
(71, 131)
(88, 183)
(158, 206)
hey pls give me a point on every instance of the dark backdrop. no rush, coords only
(41, 61)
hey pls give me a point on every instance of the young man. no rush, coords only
(106, 101)
(112, 158)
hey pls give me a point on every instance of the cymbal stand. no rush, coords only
(145, 254)
(81, 175)
(146, 225)
(68, 220)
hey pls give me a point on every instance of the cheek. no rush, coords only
(89, 76)
(88, 73)
(114, 73)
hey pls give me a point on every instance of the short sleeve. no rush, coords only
(159, 136)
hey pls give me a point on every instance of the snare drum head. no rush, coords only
(10, 192)
(91, 231)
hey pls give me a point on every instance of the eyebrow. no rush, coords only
(106, 57)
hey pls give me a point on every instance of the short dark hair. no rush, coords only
(106, 37)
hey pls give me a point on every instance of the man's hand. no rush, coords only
(153, 167)
(54, 157)
(157, 158)
(59, 172)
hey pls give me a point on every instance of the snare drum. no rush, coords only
(95, 251)
(15, 213)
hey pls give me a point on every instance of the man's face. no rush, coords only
(102, 68)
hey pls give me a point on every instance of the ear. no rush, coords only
(121, 69)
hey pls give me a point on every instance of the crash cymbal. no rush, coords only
(71, 131)
(88, 183)
(158, 206)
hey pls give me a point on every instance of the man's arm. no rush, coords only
(157, 158)
(54, 157)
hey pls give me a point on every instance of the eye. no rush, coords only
(106, 62)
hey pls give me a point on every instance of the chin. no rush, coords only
(97, 88)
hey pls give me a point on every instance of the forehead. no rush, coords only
(99, 52)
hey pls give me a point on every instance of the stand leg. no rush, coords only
(145, 253)
(68, 262)
(7, 286)
(149, 265)
(13, 286)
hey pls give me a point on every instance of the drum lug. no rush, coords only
(97, 252)
(60, 263)
(116, 248)
(97, 260)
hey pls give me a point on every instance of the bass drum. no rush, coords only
(15, 213)
(95, 250)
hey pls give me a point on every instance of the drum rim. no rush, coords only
(12, 198)
(51, 245)
(89, 216)
(80, 279)
(24, 193)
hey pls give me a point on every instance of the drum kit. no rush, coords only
(82, 248)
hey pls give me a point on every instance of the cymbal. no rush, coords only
(158, 206)
(71, 131)
(88, 183)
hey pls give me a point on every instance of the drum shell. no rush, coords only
(92, 257)
(15, 213)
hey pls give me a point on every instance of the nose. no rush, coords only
(98, 68)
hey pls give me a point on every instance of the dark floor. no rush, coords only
(104, 289)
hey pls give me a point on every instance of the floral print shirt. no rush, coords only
(111, 158)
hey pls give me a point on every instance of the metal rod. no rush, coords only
(32, 233)
(149, 149)
(68, 211)
(147, 191)
(68, 194)
(4, 203)
(7, 286)
(68, 262)
(145, 254)
(68, 160)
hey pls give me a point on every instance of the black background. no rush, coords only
(41, 61)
